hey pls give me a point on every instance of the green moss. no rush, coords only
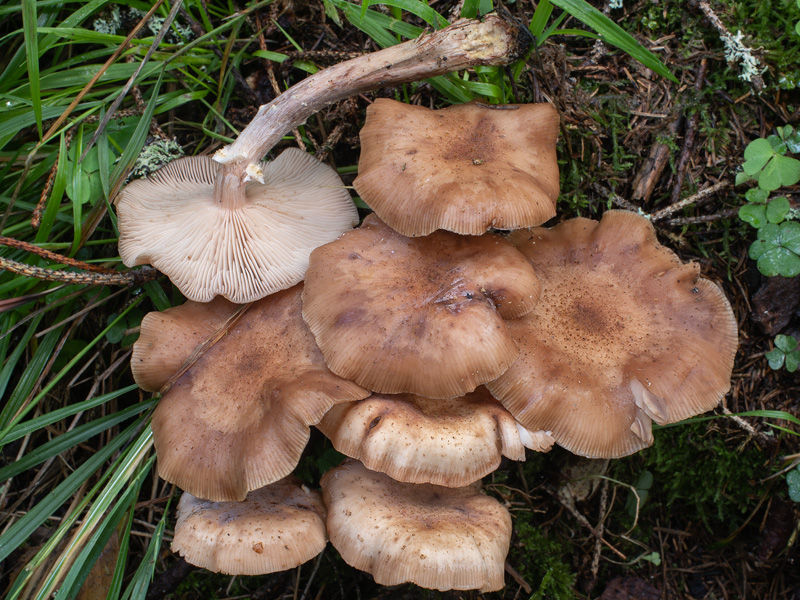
(700, 475)
(540, 560)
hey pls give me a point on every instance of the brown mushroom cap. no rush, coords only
(623, 334)
(465, 168)
(275, 528)
(452, 442)
(239, 418)
(416, 315)
(168, 338)
(206, 248)
(439, 538)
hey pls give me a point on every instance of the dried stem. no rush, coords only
(93, 278)
(463, 44)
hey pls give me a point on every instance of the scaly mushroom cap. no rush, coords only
(624, 334)
(416, 315)
(275, 528)
(439, 538)
(171, 221)
(464, 168)
(239, 418)
(412, 439)
(167, 339)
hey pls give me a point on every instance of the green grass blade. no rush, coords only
(63, 442)
(137, 588)
(454, 92)
(579, 32)
(127, 472)
(419, 9)
(540, 17)
(122, 559)
(157, 295)
(20, 531)
(54, 416)
(613, 34)
(32, 53)
(57, 193)
(31, 374)
(79, 571)
(11, 363)
(20, 414)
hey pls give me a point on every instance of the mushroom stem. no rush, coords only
(229, 187)
(465, 43)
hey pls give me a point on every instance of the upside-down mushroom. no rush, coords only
(452, 442)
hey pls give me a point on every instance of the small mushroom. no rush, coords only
(439, 538)
(465, 168)
(416, 315)
(239, 418)
(275, 528)
(451, 442)
(624, 334)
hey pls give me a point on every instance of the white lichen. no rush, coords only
(110, 24)
(737, 52)
(614, 4)
(154, 156)
(157, 23)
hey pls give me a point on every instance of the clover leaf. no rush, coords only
(785, 353)
(777, 210)
(755, 214)
(765, 162)
(756, 156)
(777, 249)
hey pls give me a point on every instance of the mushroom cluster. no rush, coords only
(422, 344)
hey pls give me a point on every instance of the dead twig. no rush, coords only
(688, 138)
(693, 199)
(92, 278)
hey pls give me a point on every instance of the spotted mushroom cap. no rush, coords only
(465, 168)
(439, 538)
(451, 442)
(624, 334)
(275, 528)
(416, 315)
(171, 221)
(239, 418)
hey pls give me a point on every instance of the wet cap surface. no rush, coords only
(624, 334)
(417, 315)
(465, 168)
